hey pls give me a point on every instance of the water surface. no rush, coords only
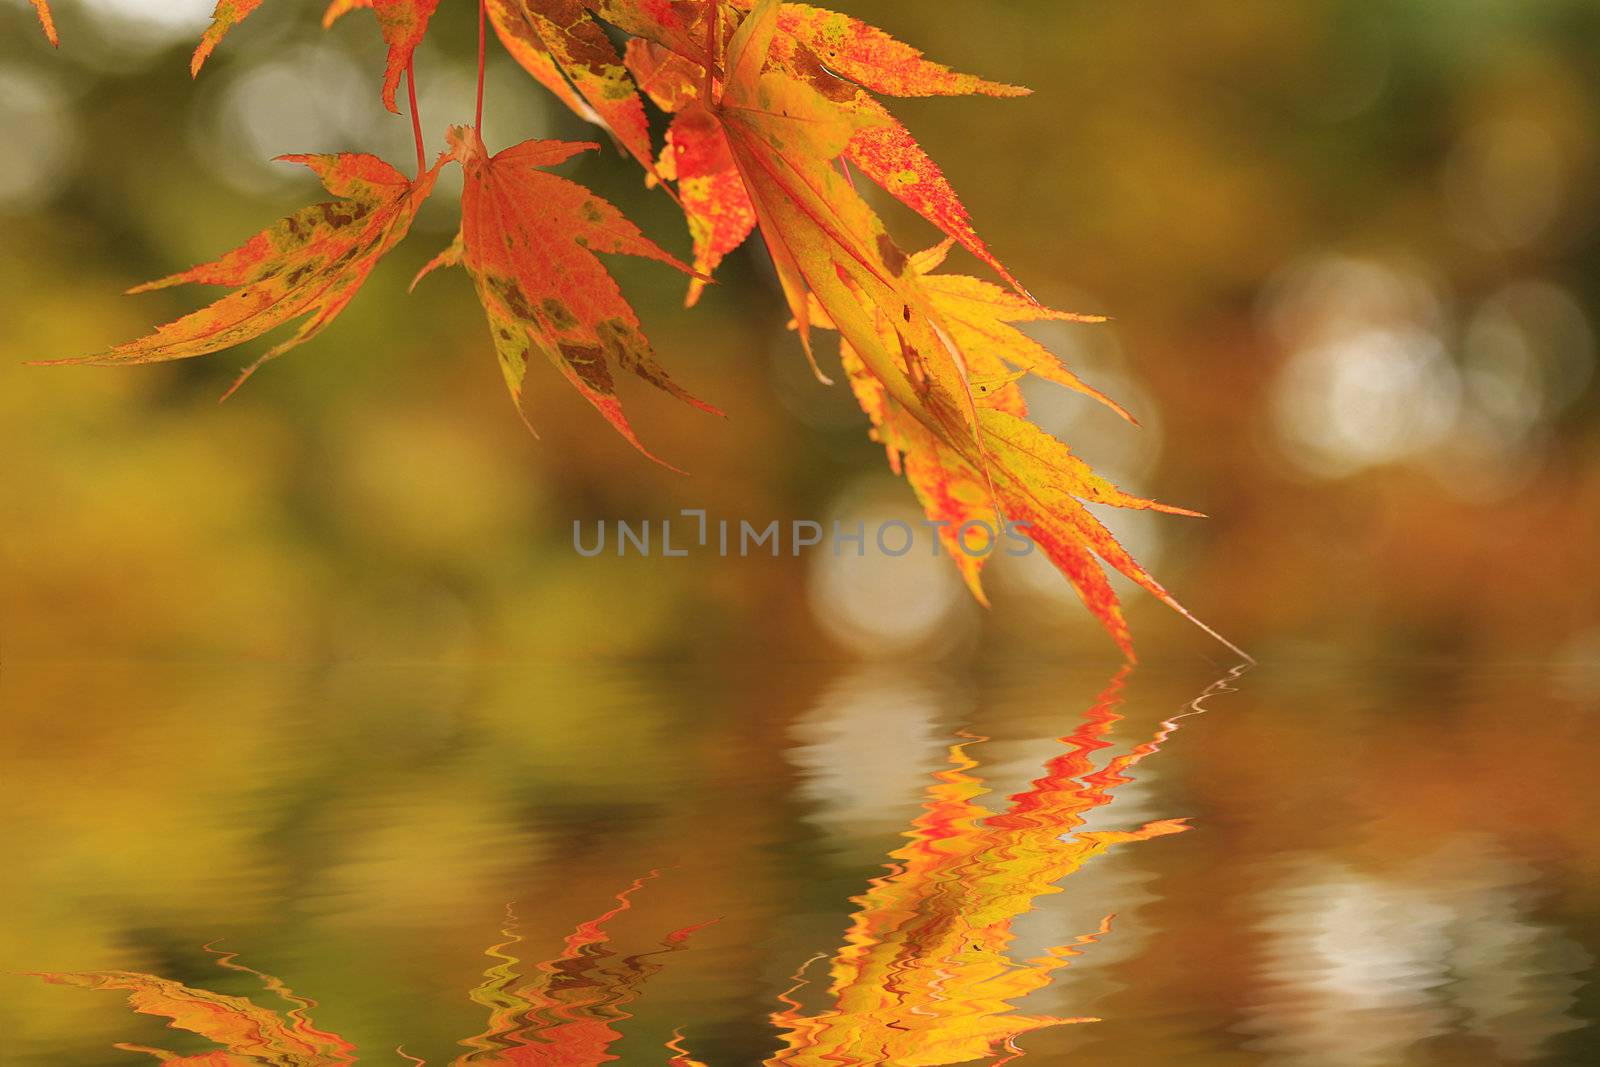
(798, 864)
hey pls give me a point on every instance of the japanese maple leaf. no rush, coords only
(847, 60)
(1031, 478)
(826, 243)
(815, 46)
(560, 44)
(308, 265)
(521, 39)
(529, 239)
(402, 22)
(228, 14)
(710, 190)
(868, 56)
(42, 7)
(982, 318)
(673, 24)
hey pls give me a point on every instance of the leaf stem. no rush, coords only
(713, 31)
(416, 117)
(483, 54)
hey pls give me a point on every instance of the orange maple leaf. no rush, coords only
(42, 8)
(825, 241)
(696, 157)
(934, 363)
(816, 46)
(872, 58)
(529, 239)
(1032, 478)
(228, 14)
(847, 60)
(311, 263)
(521, 39)
(566, 51)
(403, 23)
(712, 193)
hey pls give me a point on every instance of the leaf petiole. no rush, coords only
(713, 32)
(416, 117)
(483, 53)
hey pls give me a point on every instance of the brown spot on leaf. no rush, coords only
(559, 315)
(589, 365)
(893, 258)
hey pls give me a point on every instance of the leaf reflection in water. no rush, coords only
(249, 1034)
(924, 977)
(565, 1015)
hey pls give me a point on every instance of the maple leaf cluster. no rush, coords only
(773, 104)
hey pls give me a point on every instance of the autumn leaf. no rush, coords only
(1032, 479)
(403, 23)
(815, 46)
(673, 24)
(42, 7)
(308, 265)
(825, 241)
(934, 366)
(846, 61)
(566, 51)
(529, 239)
(228, 14)
(712, 193)
(522, 40)
(982, 320)
(696, 157)
(872, 58)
